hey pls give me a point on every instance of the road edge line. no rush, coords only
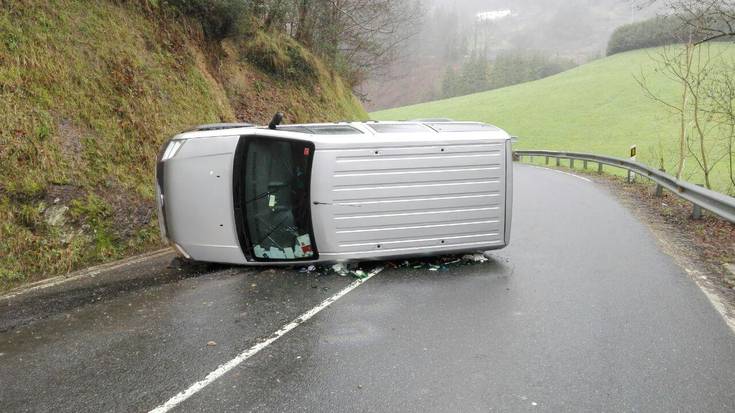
(560, 171)
(85, 272)
(226, 367)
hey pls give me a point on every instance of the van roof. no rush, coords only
(359, 128)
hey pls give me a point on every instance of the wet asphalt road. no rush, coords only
(581, 313)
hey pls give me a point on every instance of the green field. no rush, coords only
(597, 107)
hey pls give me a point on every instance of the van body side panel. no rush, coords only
(440, 195)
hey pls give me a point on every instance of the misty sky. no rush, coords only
(577, 30)
(572, 27)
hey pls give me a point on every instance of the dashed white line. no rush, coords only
(224, 368)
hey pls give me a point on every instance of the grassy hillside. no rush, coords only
(597, 107)
(88, 92)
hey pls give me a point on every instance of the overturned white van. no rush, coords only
(241, 194)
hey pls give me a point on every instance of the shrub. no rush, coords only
(658, 31)
(515, 67)
(219, 18)
(509, 68)
(280, 56)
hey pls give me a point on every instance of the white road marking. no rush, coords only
(561, 172)
(224, 368)
(88, 272)
(712, 296)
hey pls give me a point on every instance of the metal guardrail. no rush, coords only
(712, 201)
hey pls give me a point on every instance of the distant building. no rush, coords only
(493, 15)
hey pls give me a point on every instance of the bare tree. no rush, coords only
(675, 64)
(700, 145)
(691, 67)
(722, 95)
(356, 36)
(708, 19)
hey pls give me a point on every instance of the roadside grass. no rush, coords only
(89, 90)
(597, 107)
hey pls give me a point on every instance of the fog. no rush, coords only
(450, 31)
(574, 27)
(577, 28)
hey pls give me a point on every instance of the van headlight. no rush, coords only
(172, 149)
(167, 151)
(180, 250)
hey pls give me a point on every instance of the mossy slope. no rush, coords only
(88, 92)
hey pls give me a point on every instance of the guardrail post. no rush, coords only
(584, 164)
(659, 191)
(696, 209)
(630, 176)
(558, 161)
(530, 159)
(571, 163)
(599, 167)
(547, 160)
(659, 188)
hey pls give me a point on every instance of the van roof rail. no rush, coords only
(432, 120)
(219, 126)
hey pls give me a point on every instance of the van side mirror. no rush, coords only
(277, 119)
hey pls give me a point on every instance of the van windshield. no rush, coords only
(276, 199)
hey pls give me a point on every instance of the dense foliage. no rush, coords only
(352, 36)
(662, 31)
(219, 18)
(658, 31)
(477, 74)
(511, 68)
